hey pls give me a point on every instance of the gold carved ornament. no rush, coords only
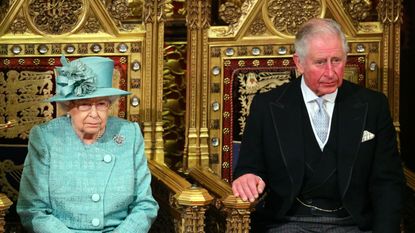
(174, 103)
(55, 16)
(23, 94)
(4, 6)
(358, 10)
(10, 173)
(287, 16)
(5, 204)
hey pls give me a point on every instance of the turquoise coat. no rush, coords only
(69, 186)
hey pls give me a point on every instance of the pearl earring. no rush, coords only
(68, 115)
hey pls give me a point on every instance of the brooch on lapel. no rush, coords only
(119, 139)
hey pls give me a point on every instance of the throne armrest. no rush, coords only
(236, 210)
(182, 206)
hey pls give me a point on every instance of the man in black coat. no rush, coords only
(324, 148)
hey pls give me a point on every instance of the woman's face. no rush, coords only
(89, 116)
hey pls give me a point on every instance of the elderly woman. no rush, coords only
(86, 171)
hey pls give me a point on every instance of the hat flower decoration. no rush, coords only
(76, 78)
(84, 78)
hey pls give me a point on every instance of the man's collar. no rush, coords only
(309, 95)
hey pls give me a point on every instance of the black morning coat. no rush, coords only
(370, 176)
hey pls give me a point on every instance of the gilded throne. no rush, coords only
(232, 50)
(250, 49)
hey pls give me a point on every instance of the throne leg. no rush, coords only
(5, 204)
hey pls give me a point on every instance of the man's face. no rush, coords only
(323, 65)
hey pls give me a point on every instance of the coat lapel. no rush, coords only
(352, 115)
(286, 116)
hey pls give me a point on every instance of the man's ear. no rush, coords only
(298, 64)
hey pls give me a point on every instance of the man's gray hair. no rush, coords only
(317, 26)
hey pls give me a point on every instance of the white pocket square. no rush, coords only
(367, 136)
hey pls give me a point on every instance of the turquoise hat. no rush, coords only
(84, 78)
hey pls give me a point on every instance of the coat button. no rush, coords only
(107, 158)
(95, 197)
(95, 222)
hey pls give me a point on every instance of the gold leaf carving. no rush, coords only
(163, 8)
(30, 49)
(369, 28)
(92, 25)
(287, 16)
(229, 12)
(22, 94)
(18, 26)
(119, 12)
(174, 103)
(198, 16)
(258, 27)
(136, 7)
(10, 173)
(234, 19)
(359, 9)
(148, 11)
(4, 7)
(55, 16)
(215, 52)
(390, 11)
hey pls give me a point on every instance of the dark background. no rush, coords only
(407, 97)
(407, 107)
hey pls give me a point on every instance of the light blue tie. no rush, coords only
(321, 120)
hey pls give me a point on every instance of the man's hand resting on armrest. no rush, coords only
(248, 187)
